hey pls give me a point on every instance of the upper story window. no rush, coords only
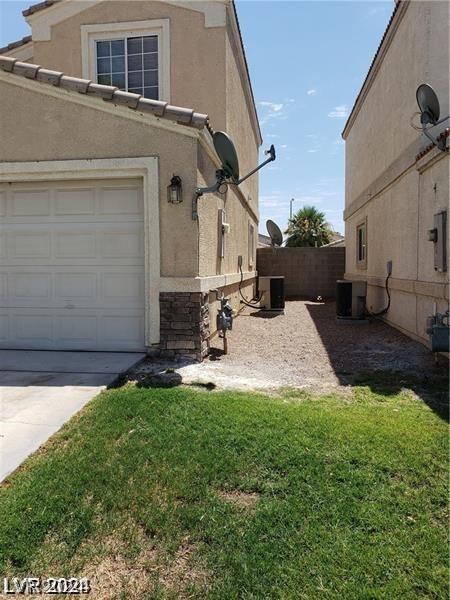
(133, 56)
(130, 63)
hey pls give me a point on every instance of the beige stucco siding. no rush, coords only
(386, 185)
(197, 55)
(238, 214)
(382, 131)
(239, 125)
(35, 126)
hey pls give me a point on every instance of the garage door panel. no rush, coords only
(121, 244)
(74, 202)
(2, 204)
(75, 244)
(4, 328)
(76, 287)
(30, 203)
(34, 328)
(118, 330)
(28, 245)
(111, 201)
(72, 266)
(30, 286)
(76, 331)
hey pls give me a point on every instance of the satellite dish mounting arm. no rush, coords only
(198, 193)
(221, 179)
(271, 158)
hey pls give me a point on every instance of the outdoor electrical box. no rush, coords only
(438, 235)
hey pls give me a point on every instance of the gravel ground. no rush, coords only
(305, 347)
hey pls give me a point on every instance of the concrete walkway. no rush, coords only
(40, 391)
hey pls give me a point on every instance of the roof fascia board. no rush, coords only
(97, 104)
(370, 78)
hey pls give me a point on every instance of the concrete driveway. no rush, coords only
(40, 391)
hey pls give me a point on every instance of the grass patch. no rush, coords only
(173, 493)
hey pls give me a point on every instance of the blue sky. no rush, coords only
(307, 62)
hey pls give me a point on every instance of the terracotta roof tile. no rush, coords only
(184, 116)
(442, 136)
(16, 44)
(37, 7)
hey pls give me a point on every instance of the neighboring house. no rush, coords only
(93, 255)
(396, 181)
(263, 240)
(338, 242)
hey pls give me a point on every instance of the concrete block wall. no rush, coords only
(308, 272)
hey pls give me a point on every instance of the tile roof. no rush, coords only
(443, 136)
(16, 44)
(184, 116)
(37, 7)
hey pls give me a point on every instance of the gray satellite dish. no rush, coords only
(227, 153)
(275, 233)
(428, 103)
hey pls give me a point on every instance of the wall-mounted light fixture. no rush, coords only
(175, 190)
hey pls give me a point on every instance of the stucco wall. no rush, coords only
(238, 215)
(206, 73)
(382, 132)
(197, 66)
(308, 272)
(40, 127)
(239, 124)
(385, 184)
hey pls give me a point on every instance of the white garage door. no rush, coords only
(72, 265)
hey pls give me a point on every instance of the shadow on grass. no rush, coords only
(380, 357)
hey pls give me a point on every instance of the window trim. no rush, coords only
(361, 263)
(90, 34)
(251, 246)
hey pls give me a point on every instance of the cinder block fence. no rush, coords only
(308, 272)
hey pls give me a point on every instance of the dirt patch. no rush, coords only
(184, 571)
(305, 348)
(245, 500)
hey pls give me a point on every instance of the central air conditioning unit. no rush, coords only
(271, 290)
(351, 299)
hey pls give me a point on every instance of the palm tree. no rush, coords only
(308, 227)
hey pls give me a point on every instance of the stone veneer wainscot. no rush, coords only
(184, 324)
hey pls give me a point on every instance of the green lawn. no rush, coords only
(161, 493)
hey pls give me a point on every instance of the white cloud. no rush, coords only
(283, 145)
(312, 150)
(272, 110)
(271, 135)
(311, 92)
(339, 112)
(272, 106)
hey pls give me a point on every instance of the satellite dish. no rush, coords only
(227, 153)
(275, 233)
(428, 103)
